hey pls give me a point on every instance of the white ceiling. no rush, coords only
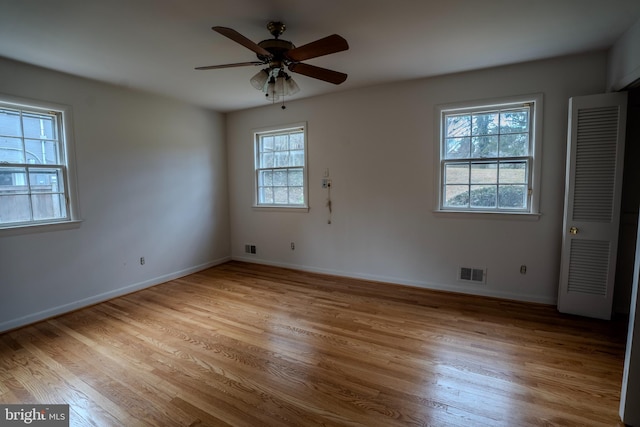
(155, 44)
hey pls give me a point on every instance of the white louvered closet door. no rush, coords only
(595, 152)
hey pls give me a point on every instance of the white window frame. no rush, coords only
(535, 101)
(275, 130)
(66, 162)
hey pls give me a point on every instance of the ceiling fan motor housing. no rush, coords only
(276, 48)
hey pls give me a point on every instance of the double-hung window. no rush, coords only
(281, 167)
(489, 156)
(35, 186)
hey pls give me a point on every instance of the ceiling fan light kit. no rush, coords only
(281, 55)
(260, 79)
(275, 83)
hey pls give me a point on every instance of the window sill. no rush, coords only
(281, 208)
(39, 228)
(516, 216)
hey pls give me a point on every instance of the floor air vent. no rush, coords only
(472, 274)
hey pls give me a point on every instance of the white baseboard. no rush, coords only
(75, 305)
(479, 291)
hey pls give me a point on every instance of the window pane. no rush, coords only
(267, 160)
(41, 152)
(10, 123)
(484, 173)
(513, 172)
(512, 196)
(456, 196)
(265, 178)
(266, 143)
(483, 196)
(13, 180)
(485, 124)
(14, 208)
(46, 180)
(296, 195)
(456, 173)
(48, 206)
(484, 146)
(457, 148)
(265, 195)
(281, 142)
(456, 126)
(296, 141)
(295, 177)
(282, 159)
(297, 158)
(514, 121)
(11, 150)
(280, 178)
(515, 144)
(280, 195)
(38, 126)
(6, 179)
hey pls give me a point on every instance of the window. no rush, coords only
(280, 166)
(35, 185)
(488, 158)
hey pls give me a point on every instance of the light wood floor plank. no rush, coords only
(252, 345)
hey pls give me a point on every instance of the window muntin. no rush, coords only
(280, 158)
(34, 182)
(487, 157)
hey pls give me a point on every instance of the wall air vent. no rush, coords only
(472, 274)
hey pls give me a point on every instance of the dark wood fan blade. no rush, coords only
(319, 73)
(239, 38)
(330, 44)
(237, 64)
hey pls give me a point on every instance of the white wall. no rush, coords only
(152, 181)
(378, 144)
(624, 59)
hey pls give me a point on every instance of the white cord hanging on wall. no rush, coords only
(326, 183)
(329, 201)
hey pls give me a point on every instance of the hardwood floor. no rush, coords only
(251, 345)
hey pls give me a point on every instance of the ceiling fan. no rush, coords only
(278, 55)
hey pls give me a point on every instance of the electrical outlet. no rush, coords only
(523, 269)
(326, 183)
(141, 260)
(293, 246)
